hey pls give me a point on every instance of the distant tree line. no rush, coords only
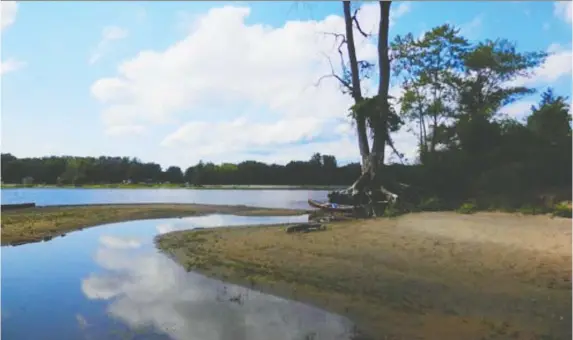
(67, 170)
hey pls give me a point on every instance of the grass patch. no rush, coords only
(562, 209)
(468, 208)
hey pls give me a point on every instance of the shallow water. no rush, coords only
(110, 282)
(294, 199)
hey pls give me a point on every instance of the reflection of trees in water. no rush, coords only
(146, 289)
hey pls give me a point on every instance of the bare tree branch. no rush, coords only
(391, 144)
(343, 83)
(343, 41)
(365, 35)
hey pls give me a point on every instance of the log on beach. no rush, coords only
(17, 206)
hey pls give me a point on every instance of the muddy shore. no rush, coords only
(28, 225)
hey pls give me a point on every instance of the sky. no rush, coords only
(179, 82)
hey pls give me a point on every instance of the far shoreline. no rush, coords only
(175, 186)
(29, 225)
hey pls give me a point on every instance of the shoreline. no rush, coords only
(176, 186)
(450, 275)
(29, 225)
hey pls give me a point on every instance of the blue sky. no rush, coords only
(176, 82)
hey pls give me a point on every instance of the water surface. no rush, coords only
(293, 199)
(110, 282)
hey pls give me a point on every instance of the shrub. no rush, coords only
(562, 209)
(431, 204)
(467, 208)
(528, 209)
(391, 211)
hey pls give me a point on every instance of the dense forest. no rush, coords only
(454, 97)
(319, 170)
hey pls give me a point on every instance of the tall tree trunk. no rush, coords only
(363, 144)
(434, 140)
(366, 189)
(381, 127)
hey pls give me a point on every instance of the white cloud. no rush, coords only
(563, 10)
(122, 130)
(401, 9)
(556, 65)
(119, 242)
(233, 86)
(8, 10)
(108, 35)
(518, 109)
(11, 65)
(472, 29)
(369, 15)
(239, 134)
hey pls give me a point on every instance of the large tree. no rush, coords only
(429, 67)
(372, 114)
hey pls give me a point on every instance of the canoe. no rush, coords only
(330, 206)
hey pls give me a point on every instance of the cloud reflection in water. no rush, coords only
(145, 288)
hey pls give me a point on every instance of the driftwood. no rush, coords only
(17, 206)
(368, 197)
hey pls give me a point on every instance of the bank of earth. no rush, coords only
(28, 225)
(418, 276)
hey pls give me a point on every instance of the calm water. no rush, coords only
(110, 282)
(296, 199)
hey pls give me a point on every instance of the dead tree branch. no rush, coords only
(365, 35)
(344, 83)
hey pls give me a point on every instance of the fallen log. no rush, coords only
(4, 207)
(305, 227)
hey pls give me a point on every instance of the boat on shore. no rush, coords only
(333, 207)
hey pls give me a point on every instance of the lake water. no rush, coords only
(110, 282)
(295, 199)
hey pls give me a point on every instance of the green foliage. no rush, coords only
(528, 209)
(430, 67)
(373, 109)
(550, 120)
(468, 208)
(392, 211)
(432, 204)
(173, 174)
(562, 209)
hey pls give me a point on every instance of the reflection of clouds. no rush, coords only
(148, 289)
(119, 243)
(213, 221)
(164, 228)
(82, 322)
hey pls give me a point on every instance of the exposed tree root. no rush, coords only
(368, 197)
